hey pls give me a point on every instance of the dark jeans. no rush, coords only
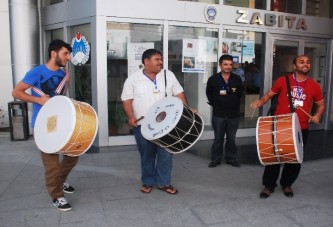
(290, 172)
(224, 126)
(156, 162)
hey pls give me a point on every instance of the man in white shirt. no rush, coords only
(141, 90)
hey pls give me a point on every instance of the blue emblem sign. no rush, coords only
(81, 50)
(210, 13)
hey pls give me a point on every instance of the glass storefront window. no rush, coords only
(248, 53)
(253, 4)
(50, 2)
(204, 1)
(125, 44)
(322, 8)
(284, 52)
(192, 57)
(317, 52)
(52, 35)
(80, 75)
(286, 6)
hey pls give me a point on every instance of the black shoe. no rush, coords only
(233, 163)
(68, 189)
(287, 191)
(62, 204)
(213, 164)
(265, 193)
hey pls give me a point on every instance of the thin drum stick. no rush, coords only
(254, 110)
(139, 119)
(299, 107)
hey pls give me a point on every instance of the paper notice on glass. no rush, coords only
(134, 54)
(194, 55)
(243, 49)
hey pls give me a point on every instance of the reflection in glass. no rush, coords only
(192, 57)
(286, 6)
(204, 1)
(253, 4)
(323, 8)
(317, 53)
(284, 52)
(125, 45)
(50, 2)
(247, 51)
(52, 35)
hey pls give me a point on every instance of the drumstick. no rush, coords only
(299, 107)
(139, 119)
(254, 110)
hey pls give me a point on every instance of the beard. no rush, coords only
(303, 71)
(59, 62)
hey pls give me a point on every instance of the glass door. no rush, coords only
(286, 49)
(317, 54)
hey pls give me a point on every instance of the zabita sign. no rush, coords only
(269, 19)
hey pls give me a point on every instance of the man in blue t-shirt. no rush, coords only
(44, 81)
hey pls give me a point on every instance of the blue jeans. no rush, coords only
(224, 126)
(156, 162)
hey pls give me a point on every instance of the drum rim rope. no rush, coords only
(180, 138)
(81, 118)
(295, 133)
(71, 137)
(160, 141)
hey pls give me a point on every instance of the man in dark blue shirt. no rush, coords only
(224, 91)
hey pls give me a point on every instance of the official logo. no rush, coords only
(81, 50)
(210, 13)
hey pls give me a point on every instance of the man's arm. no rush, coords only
(183, 98)
(19, 93)
(320, 110)
(260, 102)
(128, 108)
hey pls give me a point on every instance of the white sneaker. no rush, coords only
(62, 204)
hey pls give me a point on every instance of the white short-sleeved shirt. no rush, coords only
(140, 89)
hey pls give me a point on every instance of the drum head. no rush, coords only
(297, 135)
(54, 124)
(161, 118)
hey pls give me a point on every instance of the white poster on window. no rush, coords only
(194, 55)
(234, 47)
(212, 47)
(116, 44)
(134, 54)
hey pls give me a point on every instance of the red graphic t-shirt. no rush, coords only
(307, 91)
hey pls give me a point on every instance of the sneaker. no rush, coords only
(62, 204)
(68, 189)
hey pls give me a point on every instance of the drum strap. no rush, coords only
(292, 109)
(275, 98)
(165, 83)
(59, 88)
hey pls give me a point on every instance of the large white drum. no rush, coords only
(65, 126)
(172, 125)
(279, 139)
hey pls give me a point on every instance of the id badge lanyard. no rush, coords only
(154, 81)
(224, 85)
(298, 99)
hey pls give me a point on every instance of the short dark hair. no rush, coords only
(295, 59)
(225, 57)
(57, 44)
(147, 54)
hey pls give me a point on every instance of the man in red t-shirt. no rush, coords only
(304, 92)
